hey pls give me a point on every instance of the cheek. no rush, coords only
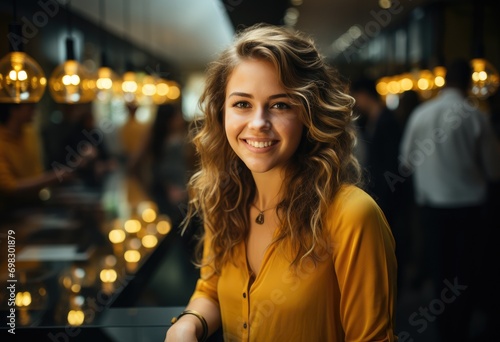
(295, 132)
(230, 126)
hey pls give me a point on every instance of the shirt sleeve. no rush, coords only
(206, 286)
(365, 263)
(489, 147)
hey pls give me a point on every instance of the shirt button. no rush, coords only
(244, 325)
(244, 295)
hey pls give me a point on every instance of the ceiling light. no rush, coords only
(21, 77)
(385, 4)
(70, 82)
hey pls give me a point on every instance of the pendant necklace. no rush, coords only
(260, 218)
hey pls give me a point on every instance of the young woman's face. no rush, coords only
(262, 126)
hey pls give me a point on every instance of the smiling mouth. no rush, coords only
(261, 144)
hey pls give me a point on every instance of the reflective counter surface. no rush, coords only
(74, 267)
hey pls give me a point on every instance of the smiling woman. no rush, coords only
(262, 125)
(288, 234)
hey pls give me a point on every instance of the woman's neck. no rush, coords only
(268, 189)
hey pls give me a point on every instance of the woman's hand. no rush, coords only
(183, 330)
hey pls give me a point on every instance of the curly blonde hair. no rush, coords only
(223, 189)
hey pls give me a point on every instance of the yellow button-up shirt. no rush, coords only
(348, 296)
(20, 157)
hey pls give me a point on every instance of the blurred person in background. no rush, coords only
(133, 131)
(450, 149)
(408, 101)
(74, 135)
(165, 147)
(380, 133)
(22, 173)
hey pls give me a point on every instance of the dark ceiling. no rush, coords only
(244, 13)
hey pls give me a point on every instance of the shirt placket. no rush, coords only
(245, 310)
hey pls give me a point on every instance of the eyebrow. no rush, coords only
(276, 96)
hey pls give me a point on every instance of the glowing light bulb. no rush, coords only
(71, 83)
(108, 275)
(132, 226)
(116, 236)
(485, 78)
(132, 256)
(149, 241)
(76, 317)
(163, 227)
(21, 79)
(23, 298)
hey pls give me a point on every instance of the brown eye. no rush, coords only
(242, 104)
(281, 106)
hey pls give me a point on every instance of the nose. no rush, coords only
(259, 119)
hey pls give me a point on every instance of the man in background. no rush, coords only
(451, 150)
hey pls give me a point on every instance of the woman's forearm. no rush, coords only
(189, 325)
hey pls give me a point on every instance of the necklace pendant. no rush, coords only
(260, 218)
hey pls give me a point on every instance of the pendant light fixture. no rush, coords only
(70, 82)
(106, 77)
(131, 85)
(22, 80)
(485, 78)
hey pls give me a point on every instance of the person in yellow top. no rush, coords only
(21, 171)
(293, 249)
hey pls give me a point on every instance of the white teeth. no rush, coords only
(259, 144)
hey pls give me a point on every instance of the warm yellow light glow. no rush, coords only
(382, 88)
(385, 4)
(67, 282)
(162, 89)
(132, 256)
(108, 275)
(116, 236)
(70, 82)
(105, 79)
(132, 226)
(393, 87)
(75, 80)
(129, 86)
(104, 83)
(149, 89)
(76, 317)
(485, 78)
(66, 80)
(23, 298)
(174, 92)
(13, 75)
(423, 84)
(149, 215)
(20, 77)
(76, 288)
(406, 84)
(163, 227)
(439, 81)
(149, 241)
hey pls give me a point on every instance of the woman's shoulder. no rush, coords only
(351, 196)
(353, 207)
